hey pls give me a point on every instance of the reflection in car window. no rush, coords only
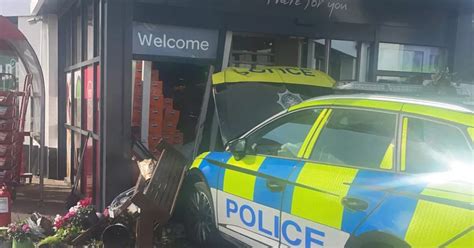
(284, 136)
(357, 138)
(434, 147)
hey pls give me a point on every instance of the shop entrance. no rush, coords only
(167, 101)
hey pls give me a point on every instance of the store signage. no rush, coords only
(307, 11)
(329, 5)
(174, 41)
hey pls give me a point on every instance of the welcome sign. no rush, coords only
(174, 41)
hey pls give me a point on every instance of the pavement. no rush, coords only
(55, 194)
(28, 199)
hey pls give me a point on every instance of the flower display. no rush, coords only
(19, 231)
(78, 219)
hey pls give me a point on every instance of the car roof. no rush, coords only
(451, 112)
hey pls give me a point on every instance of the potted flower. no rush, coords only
(74, 223)
(20, 234)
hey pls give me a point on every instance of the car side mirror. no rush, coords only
(238, 148)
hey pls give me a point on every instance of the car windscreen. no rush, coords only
(242, 106)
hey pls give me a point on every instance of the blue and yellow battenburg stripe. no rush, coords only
(417, 213)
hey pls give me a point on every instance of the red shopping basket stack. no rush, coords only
(10, 137)
(12, 123)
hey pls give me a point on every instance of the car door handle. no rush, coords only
(355, 204)
(275, 186)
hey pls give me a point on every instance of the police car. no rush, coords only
(354, 171)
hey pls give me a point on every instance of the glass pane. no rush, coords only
(250, 50)
(87, 169)
(364, 61)
(285, 136)
(408, 58)
(357, 138)
(76, 39)
(77, 98)
(77, 152)
(343, 60)
(69, 98)
(320, 54)
(69, 153)
(96, 27)
(88, 97)
(90, 30)
(433, 147)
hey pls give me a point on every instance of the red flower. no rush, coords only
(25, 228)
(69, 215)
(106, 213)
(85, 202)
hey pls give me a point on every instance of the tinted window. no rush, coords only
(357, 138)
(433, 147)
(284, 136)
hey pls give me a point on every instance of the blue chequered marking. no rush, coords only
(395, 211)
(214, 174)
(288, 193)
(365, 187)
(275, 167)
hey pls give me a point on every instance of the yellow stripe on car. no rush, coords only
(365, 103)
(471, 133)
(309, 137)
(456, 191)
(440, 113)
(315, 136)
(404, 145)
(436, 224)
(198, 160)
(239, 183)
(316, 204)
(467, 240)
(387, 161)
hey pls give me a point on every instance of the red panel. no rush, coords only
(88, 124)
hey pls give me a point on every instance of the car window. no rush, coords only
(434, 147)
(357, 138)
(284, 136)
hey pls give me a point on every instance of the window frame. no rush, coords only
(275, 118)
(394, 73)
(396, 160)
(461, 128)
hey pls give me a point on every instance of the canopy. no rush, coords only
(277, 75)
(14, 43)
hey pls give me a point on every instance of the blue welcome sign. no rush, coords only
(174, 41)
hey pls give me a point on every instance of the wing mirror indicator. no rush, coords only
(238, 148)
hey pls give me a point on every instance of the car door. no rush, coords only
(350, 157)
(251, 188)
(437, 159)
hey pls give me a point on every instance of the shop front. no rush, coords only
(129, 65)
(172, 66)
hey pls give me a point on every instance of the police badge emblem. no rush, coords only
(288, 99)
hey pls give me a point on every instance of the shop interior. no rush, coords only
(343, 60)
(173, 100)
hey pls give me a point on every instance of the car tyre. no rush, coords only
(199, 216)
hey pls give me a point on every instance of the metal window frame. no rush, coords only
(428, 119)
